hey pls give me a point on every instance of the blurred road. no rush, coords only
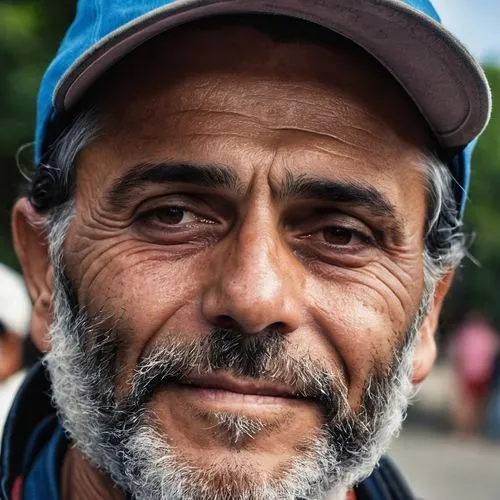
(446, 467)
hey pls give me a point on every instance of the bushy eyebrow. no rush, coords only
(350, 192)
(124, 189)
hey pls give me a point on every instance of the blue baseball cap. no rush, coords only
(406, 36)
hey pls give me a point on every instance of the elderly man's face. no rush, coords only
(273, 192)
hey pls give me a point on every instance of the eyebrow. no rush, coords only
(352, 193)
(136, 178)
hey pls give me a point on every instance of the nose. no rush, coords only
(255, 284)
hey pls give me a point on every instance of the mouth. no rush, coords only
(226, 391)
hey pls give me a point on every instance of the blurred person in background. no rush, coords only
(15, 316)
(473, 351)
(493, 406)
(238, 239)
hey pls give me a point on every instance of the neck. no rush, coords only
(80, 480)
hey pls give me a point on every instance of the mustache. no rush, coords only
(263, 356)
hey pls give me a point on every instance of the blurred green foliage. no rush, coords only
(30, 31)
(476, 284)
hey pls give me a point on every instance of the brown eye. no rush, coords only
(170, 215)
(338, 236)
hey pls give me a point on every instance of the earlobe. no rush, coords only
(426, 349)
(425, 353)
(31, 246)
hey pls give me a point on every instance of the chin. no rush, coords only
(237, 453)
(252, 471)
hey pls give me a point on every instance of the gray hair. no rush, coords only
(444, 238)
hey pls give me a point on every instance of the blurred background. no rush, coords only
(450, 447)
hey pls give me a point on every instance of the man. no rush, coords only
(237, 242)
(473, 349)
(15, 312)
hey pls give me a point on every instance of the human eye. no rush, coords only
(333, 237)
(178, 220)
(172, 216)
(342, 237)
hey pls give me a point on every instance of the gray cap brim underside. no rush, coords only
(443, 79)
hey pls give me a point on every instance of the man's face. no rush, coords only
(262, 204)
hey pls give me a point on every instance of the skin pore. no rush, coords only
(246, 184)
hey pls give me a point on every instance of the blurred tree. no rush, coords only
(30, 31)
(476, 286)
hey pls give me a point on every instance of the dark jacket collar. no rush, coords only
(31, 405)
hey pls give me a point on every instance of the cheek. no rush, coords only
(142, 292)
(364, 314)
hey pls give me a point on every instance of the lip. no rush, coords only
(225, 382)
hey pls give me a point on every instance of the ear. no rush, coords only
(426, 350)
(31, 246)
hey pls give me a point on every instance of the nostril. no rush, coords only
(225, 321)
(229, 323)
(280, 327)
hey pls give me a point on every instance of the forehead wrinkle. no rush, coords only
(327, 99)
(290, 118)
(321, 135)
(337, 154)
(147, 130)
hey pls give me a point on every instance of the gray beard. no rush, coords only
(123, 438)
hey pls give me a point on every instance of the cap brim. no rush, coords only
(439, 74)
